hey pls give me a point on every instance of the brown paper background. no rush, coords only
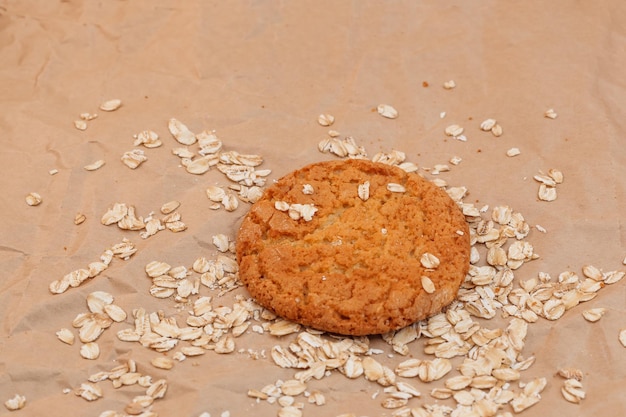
(260, 73)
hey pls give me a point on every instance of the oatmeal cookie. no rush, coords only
(353, 247)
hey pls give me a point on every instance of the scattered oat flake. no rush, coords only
(170, 206)
(90, 350)
(147, 138)
(132, 159)
(395, 188)
(438, 168)
(326, 119)
(496, 130)
(387, 111)
(181, 132)
(66, 336)
(79, 218)
(569, 373)
(199, 165)
(16, 403)
(454, 130)
(593, 272)
(540, 228)
(342, 148)
(111, 105)
(556, 175)
(53, 171)
(97, 300)
(622, 337)
(221, 242)
(546, 193)
(428, 285)
(408, 166)
(89, 391)
(162, 362)
(613, 276)
(487, 125)
(95, 165)
(230, 202)
(115, 313)
(545, 179)
(430, 261)
(594, 314)
(550, 114)
(281, 205)
(88, 116)
(215, 193)
(363, 191)
(394, 157)
(80, 124)
(283, 327)
(297, 211)
(183, 153)
(449, 85)
(572, 391)
(513, 152)
(33, 199)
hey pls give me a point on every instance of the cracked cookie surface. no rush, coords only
(354, 266)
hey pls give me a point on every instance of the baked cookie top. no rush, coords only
(353, 247)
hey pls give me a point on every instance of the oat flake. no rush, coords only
(387, 111)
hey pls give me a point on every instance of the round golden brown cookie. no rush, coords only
(324, 250)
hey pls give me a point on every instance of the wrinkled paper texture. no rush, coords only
(259, 74)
